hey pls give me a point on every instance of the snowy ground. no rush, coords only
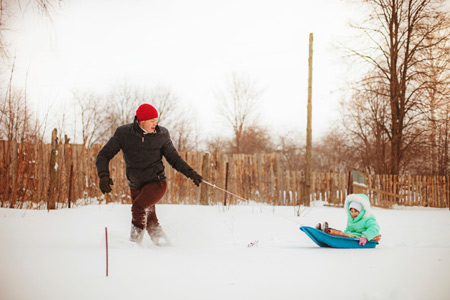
(61, 255)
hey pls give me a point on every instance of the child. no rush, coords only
(361, 222)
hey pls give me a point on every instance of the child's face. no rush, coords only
(354, 213)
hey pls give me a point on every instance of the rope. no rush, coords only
(239, 197)
(223, 190)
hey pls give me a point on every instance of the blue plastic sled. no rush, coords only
(327, 240)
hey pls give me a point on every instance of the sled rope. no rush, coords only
(239, 197)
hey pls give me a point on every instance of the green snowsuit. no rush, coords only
(365, 223)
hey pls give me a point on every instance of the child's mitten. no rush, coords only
(362, 241)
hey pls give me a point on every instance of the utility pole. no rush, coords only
(307, 201)
(51, 202)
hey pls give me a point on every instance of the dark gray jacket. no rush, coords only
(142, 153)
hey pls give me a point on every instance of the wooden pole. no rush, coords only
(309, 124)
(51, 204)
(205, 174)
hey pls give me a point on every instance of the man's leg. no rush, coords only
(152, 219)
(143, 200)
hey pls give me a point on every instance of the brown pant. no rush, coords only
(144, 200)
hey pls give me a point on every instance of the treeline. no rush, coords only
(340, 150)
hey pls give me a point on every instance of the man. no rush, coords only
(143, 144)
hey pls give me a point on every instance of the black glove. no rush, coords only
(105, 182)
(196, 178)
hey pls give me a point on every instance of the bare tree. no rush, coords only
(256, 139)
(183, 134)
(119, 107)
(218, 144)
(365, 118)
(175, 117)
(166, 102)
(398, 31)
(90, 117)
(292, 150)
(11, 7)
(435, 75)
(443, 137)
(332, 153)
(15, 117)
(237, 104)
(121, 103)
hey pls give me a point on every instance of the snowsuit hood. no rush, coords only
(365, 223)
(362, 199)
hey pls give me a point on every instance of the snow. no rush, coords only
(61, 255)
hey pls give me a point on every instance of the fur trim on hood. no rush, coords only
(361, 199)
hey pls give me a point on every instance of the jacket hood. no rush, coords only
(361, 199)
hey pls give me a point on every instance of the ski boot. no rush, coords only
(325, 227)
(319, 226)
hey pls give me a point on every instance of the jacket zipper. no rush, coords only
(142, 153)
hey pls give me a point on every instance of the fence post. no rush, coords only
(205, 175)
(69, 196)
(350, 183)
(278, 181)
(226, 184)
(13, 169)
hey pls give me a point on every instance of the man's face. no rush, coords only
(149, 125)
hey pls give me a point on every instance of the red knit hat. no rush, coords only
(146, 112)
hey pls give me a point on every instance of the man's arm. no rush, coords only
(107, 153)
(178, 163)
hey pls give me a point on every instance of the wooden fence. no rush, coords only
(410, 190)
(25, 180)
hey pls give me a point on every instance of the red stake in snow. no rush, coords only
(106, 237)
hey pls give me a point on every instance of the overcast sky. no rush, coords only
(192, 47)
